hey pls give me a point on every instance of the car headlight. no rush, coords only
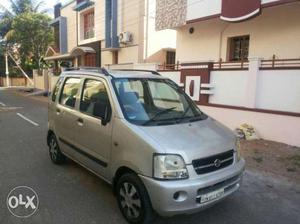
(169, 167)
(238, 149)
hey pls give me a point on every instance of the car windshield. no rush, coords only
(147, 101)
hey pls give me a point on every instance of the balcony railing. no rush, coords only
(293, 63)
(271, 64)
(220, 65)
(171, 67)
(231, 65)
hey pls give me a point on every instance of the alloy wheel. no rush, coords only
(130, 200)
(53, 149)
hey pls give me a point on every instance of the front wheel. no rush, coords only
(133, 200)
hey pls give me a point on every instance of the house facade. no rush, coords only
(239, 60)
(233, 30)
(105, 32)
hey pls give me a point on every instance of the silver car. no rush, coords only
(142, 134)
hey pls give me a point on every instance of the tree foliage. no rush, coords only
(24, 30)
(18, 7)
(31, 31)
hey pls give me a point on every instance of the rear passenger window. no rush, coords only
(69, 92)
(94, 99)
(56, 89)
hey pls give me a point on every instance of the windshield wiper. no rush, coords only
(191, 119)
(183, 115)
(158, 114)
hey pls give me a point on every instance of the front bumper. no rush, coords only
(162, 193)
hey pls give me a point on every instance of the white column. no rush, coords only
(6, 70)
(252, 80)
(46, 79)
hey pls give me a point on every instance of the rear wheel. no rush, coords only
(55, 154)
(133, 200)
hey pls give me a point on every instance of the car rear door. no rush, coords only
(65, 113)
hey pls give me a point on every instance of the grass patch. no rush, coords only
(294, 160)
(291, 169)
(258, 159)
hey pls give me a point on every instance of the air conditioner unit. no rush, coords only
(125, 37)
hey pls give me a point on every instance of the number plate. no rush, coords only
(211, 196)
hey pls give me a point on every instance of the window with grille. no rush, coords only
(89, 25)
(171, 55)
(239, 48)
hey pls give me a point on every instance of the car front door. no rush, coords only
(94, 128)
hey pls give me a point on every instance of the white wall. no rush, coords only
(137, 66)
(131, 19)
(175, 76)
(268, 126)
(275, 31)
(279, 90)
(198, 9)
(203, 8)
(229, 88)
(99, 17)
(157, 40)
(70, 14)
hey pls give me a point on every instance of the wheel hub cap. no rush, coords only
(130, 200)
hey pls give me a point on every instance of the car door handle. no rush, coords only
(80, 121)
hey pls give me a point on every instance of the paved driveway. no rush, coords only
(69, 194)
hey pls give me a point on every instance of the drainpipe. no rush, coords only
(77, 28)
(147, 31)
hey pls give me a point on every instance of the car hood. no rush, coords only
(192, 140)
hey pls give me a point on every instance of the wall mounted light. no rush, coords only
(191, 30)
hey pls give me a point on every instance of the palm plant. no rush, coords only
(7, 33)
(17, 7)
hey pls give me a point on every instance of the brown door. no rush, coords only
(90, 60)
(192, 78)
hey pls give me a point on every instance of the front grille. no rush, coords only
(213, 163)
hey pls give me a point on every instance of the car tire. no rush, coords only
(54, 151)
(133, 200)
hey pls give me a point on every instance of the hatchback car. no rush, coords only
(141, 133)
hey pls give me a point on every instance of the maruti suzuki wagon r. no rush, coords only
(142, 134)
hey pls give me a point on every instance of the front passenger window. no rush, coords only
(69, 93)
(94, 100)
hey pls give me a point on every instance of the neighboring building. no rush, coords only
(232, 30)
(103, 32)
(239, 60)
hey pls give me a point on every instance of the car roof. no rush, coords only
(100, 72)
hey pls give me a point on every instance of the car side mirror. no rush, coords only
(104, 122)
(102, 110)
